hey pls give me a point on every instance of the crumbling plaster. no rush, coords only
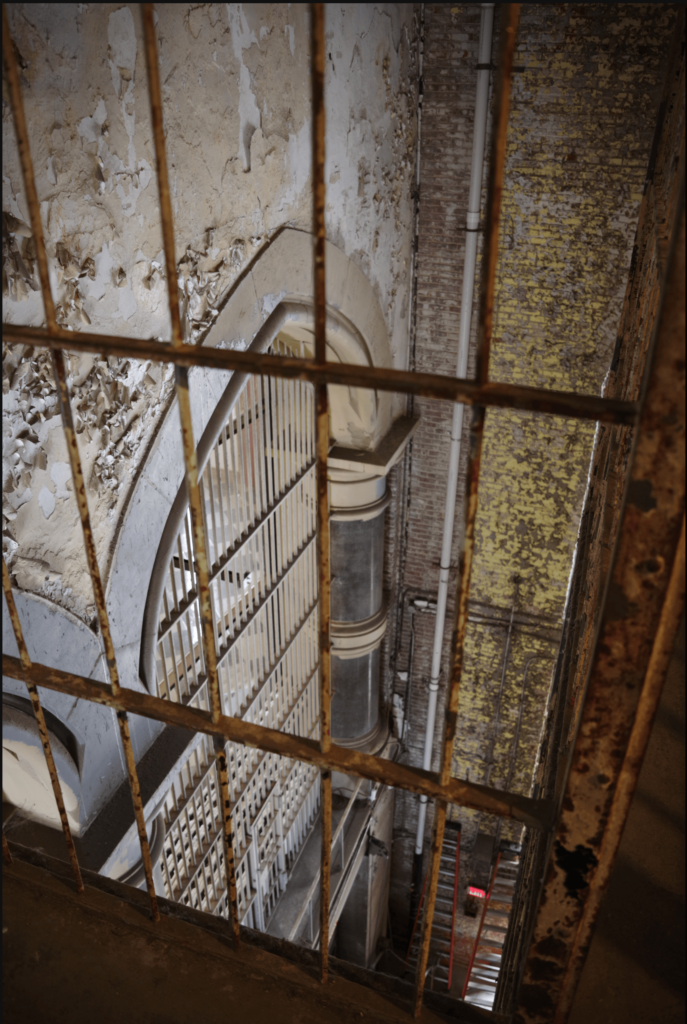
(236, 96)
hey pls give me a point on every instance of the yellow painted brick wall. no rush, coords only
(582, 121)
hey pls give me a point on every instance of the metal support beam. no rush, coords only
(643, 605)
(322, 448)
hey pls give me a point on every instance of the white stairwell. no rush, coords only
(481, 989)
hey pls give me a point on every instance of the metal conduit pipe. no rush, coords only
(472, 226)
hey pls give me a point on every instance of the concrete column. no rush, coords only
(358, 609)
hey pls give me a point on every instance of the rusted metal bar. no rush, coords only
(190, 454)
(380, 378)
(533, 813)
(74, 458)
(325, 867)
(322, 449)
(26, 162)
(14, 617)
(661, 654)
(428, 918)
(511, 19)
(135, 788)
(453, 910)
(166, 218)
(103, 618)
(642, 607)
(228, 827)
(42, 732)
(496, 172)
(480, 929)
(509, 31)
(322, 418)
(60, 373)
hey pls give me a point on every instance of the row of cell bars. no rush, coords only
(271, 820)
(259, 504)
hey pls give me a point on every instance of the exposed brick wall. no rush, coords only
(601, 512)
(581, 127)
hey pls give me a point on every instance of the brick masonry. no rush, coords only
(582, 121)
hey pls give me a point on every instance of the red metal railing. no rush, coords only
(479, 930)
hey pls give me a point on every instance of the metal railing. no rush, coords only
(480, 394)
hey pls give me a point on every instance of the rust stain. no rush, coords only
(431, 385)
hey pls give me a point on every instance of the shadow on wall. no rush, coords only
(635, 971)
(656, 939)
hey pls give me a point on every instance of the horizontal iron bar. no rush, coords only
(381, 378)
(534, 813)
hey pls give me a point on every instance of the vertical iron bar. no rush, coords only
(512, 15)
(103, 618)
(322, 440)
(70, 435)
(510, 22)
(428, 918)
(190, 454)
(22, 134)
(42, 731)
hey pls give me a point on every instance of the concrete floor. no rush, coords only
(635, 971)
(96, 958)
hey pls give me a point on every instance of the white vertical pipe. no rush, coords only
(472, 225)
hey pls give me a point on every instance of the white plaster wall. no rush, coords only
(59, 640)
(236, 94)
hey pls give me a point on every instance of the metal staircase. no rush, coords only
(479, 987)
(443, 924)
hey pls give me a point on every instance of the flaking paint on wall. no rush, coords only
(236, 97)
(582, 119)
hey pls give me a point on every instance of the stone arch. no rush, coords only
(276, 292)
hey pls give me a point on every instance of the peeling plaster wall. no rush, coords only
(236, 98)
